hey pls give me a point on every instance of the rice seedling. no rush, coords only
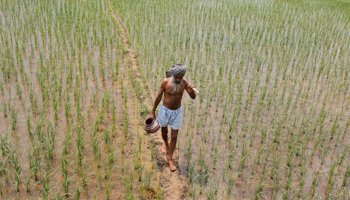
(46, 185)
(28, 184)
(288, 184)
(36, 160)
(331, 179)
(213, 192)
(147, 179)
(260, 65)
(78, 192)
(128, 180)
(315, 182)
(4, 109)
(14, 114)
(2, 89)
(108, 188)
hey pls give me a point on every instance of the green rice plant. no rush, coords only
(128, 180)
(95, 147)
(259, 190)
(33, 101)
(288, 184)
(201, 157)
(346, 128)
(231, 158)
(245, 151)
(331, 179)
(66, 183)
(80, 155)
(78, 192)
(123, 145)
(325, 152)
(14, 114)
(17, 169)
(36, 160)
(342, 157)
(28, 183)
(114, 116)
(4, 108)
(126, 124)
(67, 108)
(264, 131)
(56, 107)
(316, 142)
(194, 192)
(5, 145)
(2, 89)
(107, 135)
(19, 90)
(159, 192)
(108, 188)
(260, 153)
(231, 180)
(147, 179)
(138, 168)
(335, 126)
(6, 173)
(315, 182)
(46, 185)
(216, 154)
(347, 174)
(101, 115)
(276, 185)
(51, 145)
(291, 156)
(29, 128)
(303, 175)
(192, 174)
(213, 189)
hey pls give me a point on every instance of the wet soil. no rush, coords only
(173, 184)
(112, 145)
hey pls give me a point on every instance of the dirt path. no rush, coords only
(172, 183)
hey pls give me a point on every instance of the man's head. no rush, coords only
(177, 73)
(176, 70)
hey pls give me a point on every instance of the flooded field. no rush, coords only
(272, 120)
(78, 78)
(70, 125)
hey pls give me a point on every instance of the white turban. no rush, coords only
(177, 69)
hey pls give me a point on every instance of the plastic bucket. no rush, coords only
(151, 125)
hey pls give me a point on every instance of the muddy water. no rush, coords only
(95, 177)
(207, 129)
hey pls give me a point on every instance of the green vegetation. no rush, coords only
(271, 119)
(332, 5)
(64, 113)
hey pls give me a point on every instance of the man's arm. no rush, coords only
(190, 91)
(158, 98)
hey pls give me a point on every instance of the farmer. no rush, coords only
(171, 111)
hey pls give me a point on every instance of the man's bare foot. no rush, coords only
(171, 165)
(164, 150)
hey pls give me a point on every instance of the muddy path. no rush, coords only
(173, 184)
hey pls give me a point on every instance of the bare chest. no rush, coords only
(171, 91)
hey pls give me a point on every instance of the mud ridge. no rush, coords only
(172, 183)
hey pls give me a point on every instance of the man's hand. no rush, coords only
(190, 90)
(152, 115)
(190, 86)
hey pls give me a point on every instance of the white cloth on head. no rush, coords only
(177, 69)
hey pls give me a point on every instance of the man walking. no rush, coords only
(171, 111)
